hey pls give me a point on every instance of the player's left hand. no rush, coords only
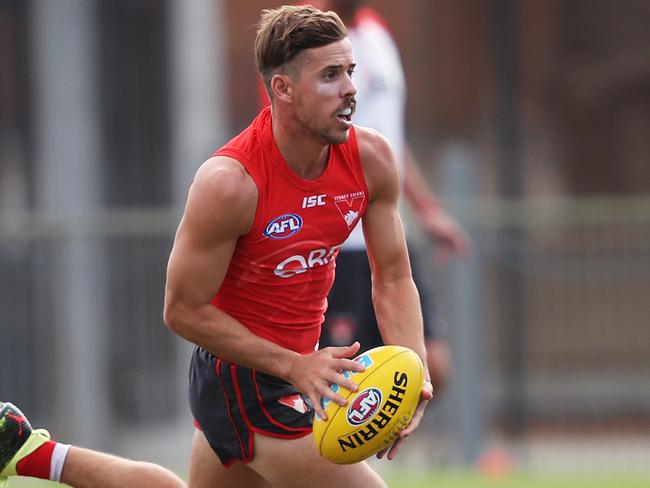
(393, 450)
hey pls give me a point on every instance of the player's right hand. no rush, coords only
(425, 396)
(312, 374)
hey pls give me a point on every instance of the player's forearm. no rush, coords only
(399, 315)
(226, 337)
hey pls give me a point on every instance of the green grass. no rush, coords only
(451, 479)
(520, 480)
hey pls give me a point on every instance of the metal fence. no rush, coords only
(125, 369)
(581, 346)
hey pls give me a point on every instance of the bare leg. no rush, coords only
(296, 463)
(85, 468)
(206, 471)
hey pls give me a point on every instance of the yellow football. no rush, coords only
(389, 392)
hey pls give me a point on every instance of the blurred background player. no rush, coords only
(381, 98)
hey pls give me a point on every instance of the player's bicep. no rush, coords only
(382, 225)
(385, 242)
(219, 209)
(197, 263)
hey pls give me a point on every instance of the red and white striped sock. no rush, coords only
(46, 462)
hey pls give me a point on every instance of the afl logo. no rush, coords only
(283, 226)
(364, 406)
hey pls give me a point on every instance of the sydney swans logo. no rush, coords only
(349, 206)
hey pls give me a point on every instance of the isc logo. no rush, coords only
(364, 406)
(313, 201)
(283, 226)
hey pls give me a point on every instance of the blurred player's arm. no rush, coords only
(220, 208)
(431, 214)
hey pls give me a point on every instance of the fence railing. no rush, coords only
(582, 267)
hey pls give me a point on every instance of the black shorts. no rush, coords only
(231, 402)
(351, 316)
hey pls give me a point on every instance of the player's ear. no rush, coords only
(282, 87)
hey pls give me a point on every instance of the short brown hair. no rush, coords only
(284, 32)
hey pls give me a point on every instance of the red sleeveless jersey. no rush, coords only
(282, 270)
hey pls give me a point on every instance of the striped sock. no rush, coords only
(46, 462)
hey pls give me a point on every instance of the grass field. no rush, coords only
(522, 480)
(473, 480)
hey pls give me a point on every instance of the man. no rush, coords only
(253, 261)
(263, 224)
(379, 78)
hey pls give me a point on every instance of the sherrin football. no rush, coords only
(389, 392)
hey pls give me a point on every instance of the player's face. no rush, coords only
(324, 91)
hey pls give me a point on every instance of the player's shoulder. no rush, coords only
(223, 182)
(377, 159)
(373, 146)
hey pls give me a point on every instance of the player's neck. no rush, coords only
(305, 155)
